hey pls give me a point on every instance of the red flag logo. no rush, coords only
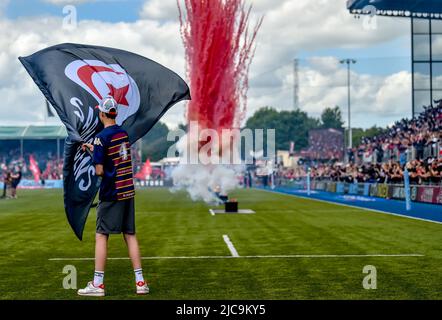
(101, 79)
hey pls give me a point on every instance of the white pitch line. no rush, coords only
(351, 206)
(230, 246)
(286, 256)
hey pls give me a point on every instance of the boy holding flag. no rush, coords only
(116, 209)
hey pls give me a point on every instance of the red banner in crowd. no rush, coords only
(33, 166)
(429, 195)
(48, 170)
(145, 172)
(437, 196)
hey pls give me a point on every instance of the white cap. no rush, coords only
(108, 105)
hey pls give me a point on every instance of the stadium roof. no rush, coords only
(398, 8)
(32, 132)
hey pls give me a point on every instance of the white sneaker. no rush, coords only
(92, 291)
(142, 287)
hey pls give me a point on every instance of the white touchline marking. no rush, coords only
(285, 256)
(230, 246)
(349, 205)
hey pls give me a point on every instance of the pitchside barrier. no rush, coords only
(153, 183)
(427, 194)
(32, 184)
(58, 184)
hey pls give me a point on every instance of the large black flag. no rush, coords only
(74, 78)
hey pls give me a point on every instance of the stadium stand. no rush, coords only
(412, 143)
(44, 143)
(326, 144)
(418, 138)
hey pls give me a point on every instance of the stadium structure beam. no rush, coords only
(426, 9)
(418, 11)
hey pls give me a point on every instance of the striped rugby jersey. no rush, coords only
(112, 150)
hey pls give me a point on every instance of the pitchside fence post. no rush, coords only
(407, 190)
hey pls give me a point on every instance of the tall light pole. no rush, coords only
(349, 62)
(296, 84)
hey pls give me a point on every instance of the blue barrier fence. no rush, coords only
(31, 184)
(421, 211)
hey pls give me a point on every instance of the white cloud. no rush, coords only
(160, 9)
(289, 27)
(394, 95)
(304, 25)
(292, 26)
(23, 37)
(375, 99)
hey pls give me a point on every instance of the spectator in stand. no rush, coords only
(427, 171)
(15, 181)
(7, 182)
(422, 132)
(326, 144)
(435, 171)
(382, 158)
(6, 177)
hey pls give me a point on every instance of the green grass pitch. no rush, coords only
(33, 229)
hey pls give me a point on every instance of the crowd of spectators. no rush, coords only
(50, 166)
(420, 172)
(326, 144)
(427, 171)
(414, 144)
(420, 135)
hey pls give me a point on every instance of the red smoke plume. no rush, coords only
(219, 49)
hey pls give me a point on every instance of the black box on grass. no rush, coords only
(231, 206)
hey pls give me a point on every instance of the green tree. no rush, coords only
(359, 133)
(155, 144)
(332, 118)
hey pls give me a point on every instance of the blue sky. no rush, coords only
(103, 10)
(383, 59)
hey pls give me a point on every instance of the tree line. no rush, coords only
(289, 126)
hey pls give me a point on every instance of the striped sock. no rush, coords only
(98, 278)
(139, 279)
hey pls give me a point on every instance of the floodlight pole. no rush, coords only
(349, 62)
(295, 84)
